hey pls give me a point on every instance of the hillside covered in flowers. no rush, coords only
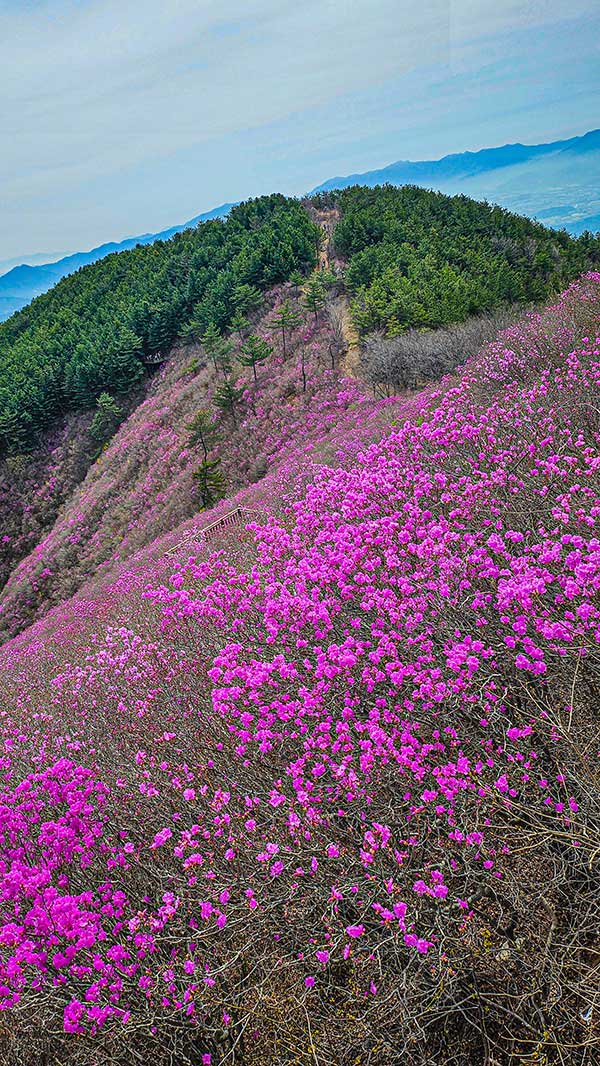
(324, 788)
(299, 611)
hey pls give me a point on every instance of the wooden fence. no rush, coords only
(237, 517)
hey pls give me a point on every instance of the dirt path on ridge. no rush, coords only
(350, 360)
(351, 357)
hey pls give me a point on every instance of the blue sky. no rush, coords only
(126, 116)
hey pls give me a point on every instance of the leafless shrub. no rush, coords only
(414, 358)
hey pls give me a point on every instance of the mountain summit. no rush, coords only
(556, 183)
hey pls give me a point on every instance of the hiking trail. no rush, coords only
(350, 360)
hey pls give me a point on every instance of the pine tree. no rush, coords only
(254, 352)
(210, 481)
(239, 324)
(211, 340)
(82, 380)
(315, 296)
(286, 319)
(227, 397)
(203, 432)
(297, 281)
(106, 419)
(124, 366)
(191, 332)
(9, 427)
(160, 331)
(246, 298)
(328, 278)
(217, 348)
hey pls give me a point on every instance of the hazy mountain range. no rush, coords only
(557, 183)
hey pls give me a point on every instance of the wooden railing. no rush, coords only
(236, 517)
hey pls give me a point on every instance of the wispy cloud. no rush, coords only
(99, 96)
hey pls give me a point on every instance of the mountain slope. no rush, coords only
(121, 342)
(142, 486)
(441, 259)
(558, 181)
(300, 755)
(420, 260)
(328, 793)
(99, 328)
(23, 283)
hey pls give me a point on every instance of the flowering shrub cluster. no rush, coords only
(334, 798)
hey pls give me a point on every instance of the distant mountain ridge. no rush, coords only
(23, 283)
(558, 182)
